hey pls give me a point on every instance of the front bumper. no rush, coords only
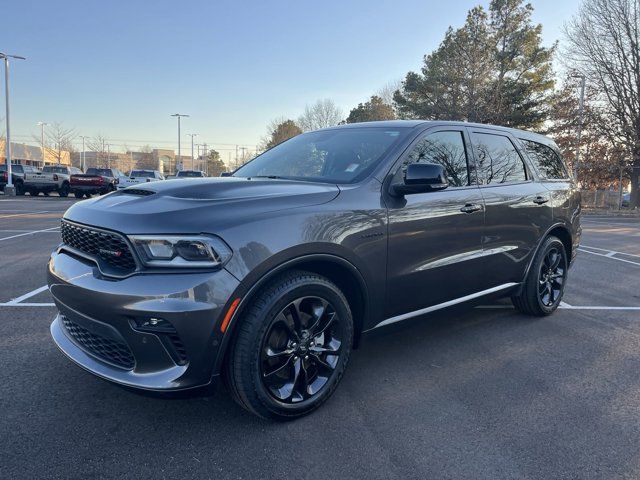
(98, 323)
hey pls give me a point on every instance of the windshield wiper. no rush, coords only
(272, 177)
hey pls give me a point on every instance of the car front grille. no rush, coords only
(111, 248)
(111, 351)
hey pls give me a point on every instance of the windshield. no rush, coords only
(142, 173)
(189, 173)
(334, 156)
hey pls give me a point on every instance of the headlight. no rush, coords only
(200, 251)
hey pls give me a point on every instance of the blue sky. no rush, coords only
(120, 68)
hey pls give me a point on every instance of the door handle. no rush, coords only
(470, 208)
(540, 200)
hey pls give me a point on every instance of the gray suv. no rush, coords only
(270, 277)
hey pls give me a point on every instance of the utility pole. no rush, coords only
(42, 125)
(583, 82)
(236, 157)
(242, 159)
(9, 188)
(179, 116)
(206, 161)
(83, 155)
(192, 157)
(108, 155)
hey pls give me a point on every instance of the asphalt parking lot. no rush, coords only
(481, 393)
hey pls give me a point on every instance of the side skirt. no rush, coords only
(439, 306)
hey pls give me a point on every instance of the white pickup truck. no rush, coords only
(52, 178)
(137, 177)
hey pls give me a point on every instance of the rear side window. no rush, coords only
(498, 161)
(546, 160)
(446, 149)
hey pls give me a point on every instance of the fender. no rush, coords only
(542, 237)
(263, 275)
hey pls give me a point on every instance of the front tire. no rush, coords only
(78, 194)
(544, 287)
(34, 192)
(291, 348)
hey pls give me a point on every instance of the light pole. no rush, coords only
(42, 125)
(192, 158)
(83, 156)
(179, 116)
(108, 155)
(8, 189)
(583, 82)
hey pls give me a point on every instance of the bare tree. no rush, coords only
(387, 91)
(603, 44)
(324, 113)
(98, 144)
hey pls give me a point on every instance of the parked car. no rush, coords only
(270, 277)
(140, 176)
(190, 174)
(50, 178)
(17, 176)
(96, 180)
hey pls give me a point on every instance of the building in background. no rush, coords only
(31, 155)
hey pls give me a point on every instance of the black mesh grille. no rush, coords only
(111, 351)
(110, 247)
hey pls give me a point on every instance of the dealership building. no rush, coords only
(31, 155)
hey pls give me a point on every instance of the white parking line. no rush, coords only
(610, 224)
(28, 295)
(27, 305)
(29, 233)
(563, 306)
(609, 256)
(25, 213)
(610, 252)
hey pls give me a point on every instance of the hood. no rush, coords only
(196, 205)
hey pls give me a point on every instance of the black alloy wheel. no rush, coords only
(551, 277)
(290, 347)
(301, 349)
(19, 188)
(543, 287)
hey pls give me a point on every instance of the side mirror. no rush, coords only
(421, 178)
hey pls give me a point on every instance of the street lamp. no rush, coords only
(83, 156)
(583, 82)
(8, 189)
(42, 125)
(192, 158)
(179, 116)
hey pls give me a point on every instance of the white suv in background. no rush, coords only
(137, 177)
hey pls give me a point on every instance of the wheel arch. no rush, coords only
(337, 269)
(563, 233)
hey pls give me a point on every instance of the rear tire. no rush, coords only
(291, 347)
(544, 286)
(64, 190)
(19, 188)
(34, 192)
(88, 195)
(78, 194)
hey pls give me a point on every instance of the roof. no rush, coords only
(414, 123)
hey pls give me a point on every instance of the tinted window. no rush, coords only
(547, 161)
(50, 169)
(341, 155)
(104, 172)
(498, 161)
(446, 149)
(143, 173)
